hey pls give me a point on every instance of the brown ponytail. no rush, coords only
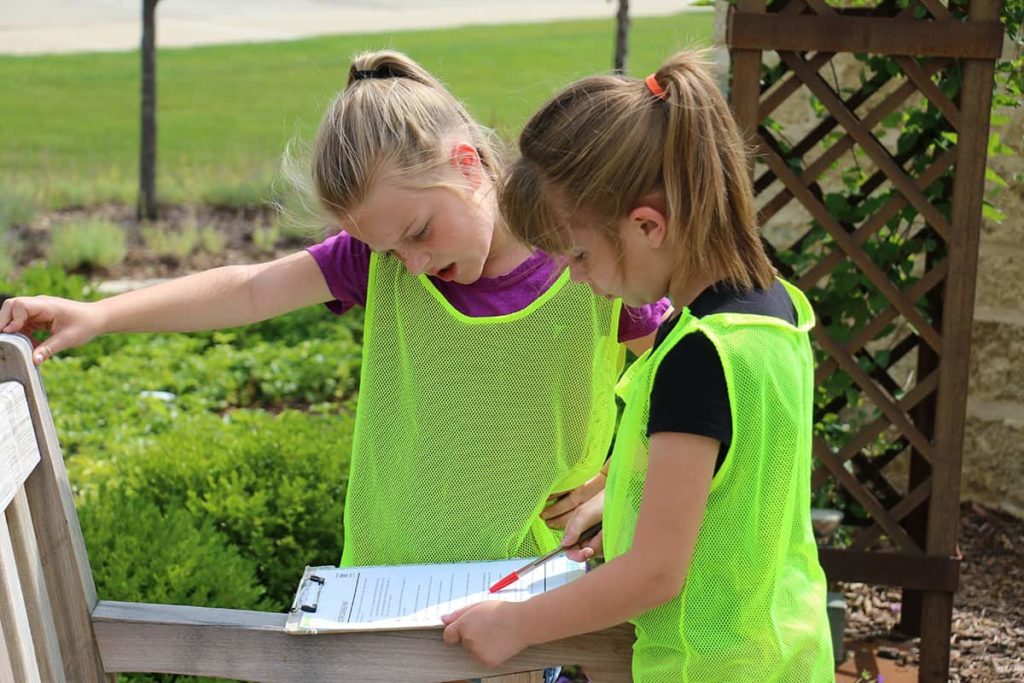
(606, 142)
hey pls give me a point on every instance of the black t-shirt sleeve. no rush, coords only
(690, 394)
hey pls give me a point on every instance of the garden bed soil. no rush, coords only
(237, 228)
(988, 609)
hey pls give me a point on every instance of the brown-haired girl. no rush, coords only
(644, 185)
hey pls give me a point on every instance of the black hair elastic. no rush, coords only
(383, 71)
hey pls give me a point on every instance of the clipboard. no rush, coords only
(404, 597)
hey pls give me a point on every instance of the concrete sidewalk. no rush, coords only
(60, 26)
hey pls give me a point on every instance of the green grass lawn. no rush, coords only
(70, 123)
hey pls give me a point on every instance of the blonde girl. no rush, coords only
(487, 375)
(644, 185)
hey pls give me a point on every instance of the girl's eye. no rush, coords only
(422, 234)
(579, 257)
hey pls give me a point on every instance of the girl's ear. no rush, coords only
(466, 160)
(652, 223)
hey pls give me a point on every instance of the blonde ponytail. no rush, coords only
(392, 119)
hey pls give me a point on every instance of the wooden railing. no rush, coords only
(253, 646)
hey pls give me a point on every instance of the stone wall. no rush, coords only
(994, 446)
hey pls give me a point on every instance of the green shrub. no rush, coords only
(312, 323)
(98, 398)
(6, 262)
(18, 205)
(233, 189)
(94, 243)
(62, 188)
(266, 236)
(180, 243)
(165, 242)
(141, 553)
(272, 486)
(50, 280)
(211, 241)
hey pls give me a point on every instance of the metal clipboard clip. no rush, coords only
(309, 594)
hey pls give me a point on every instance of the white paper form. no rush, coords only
(332, 599)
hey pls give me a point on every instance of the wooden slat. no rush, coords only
(821, 7)
(891, 569)
(252, 646)
(17, 631)
(746, 76)
(6, 670)
(18, 452)
(881, 400)
(58, 535)
(870, 470)
(33, 586)
(958, 309)
(916, 522)
(910, 502)
(776, 97)
(867, 434)
(845, 242)
(924, 83)
(936, 9)
(879, 370)
(832, 154)
(875, 35)
(870, 503)
(874, 149)
(878, 219)
(781, 92)
(868, 332)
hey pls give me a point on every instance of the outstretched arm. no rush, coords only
(651, 573)
(213, 299)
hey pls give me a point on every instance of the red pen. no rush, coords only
(530, 566)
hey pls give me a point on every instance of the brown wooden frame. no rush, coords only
(927, 418)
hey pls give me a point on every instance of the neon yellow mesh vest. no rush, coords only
(465, 425)
(753, 607)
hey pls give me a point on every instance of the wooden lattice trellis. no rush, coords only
(907, 358)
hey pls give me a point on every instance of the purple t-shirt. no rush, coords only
(345, 263)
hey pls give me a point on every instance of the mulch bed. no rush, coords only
(235, 226)
(988, 610)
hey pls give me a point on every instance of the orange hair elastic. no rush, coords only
(655, 88)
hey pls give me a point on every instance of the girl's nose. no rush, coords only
(416, 262)
(576, 273)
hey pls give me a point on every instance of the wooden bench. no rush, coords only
(53, 627)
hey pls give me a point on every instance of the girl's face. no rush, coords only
(637, 269)
(445, 232)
